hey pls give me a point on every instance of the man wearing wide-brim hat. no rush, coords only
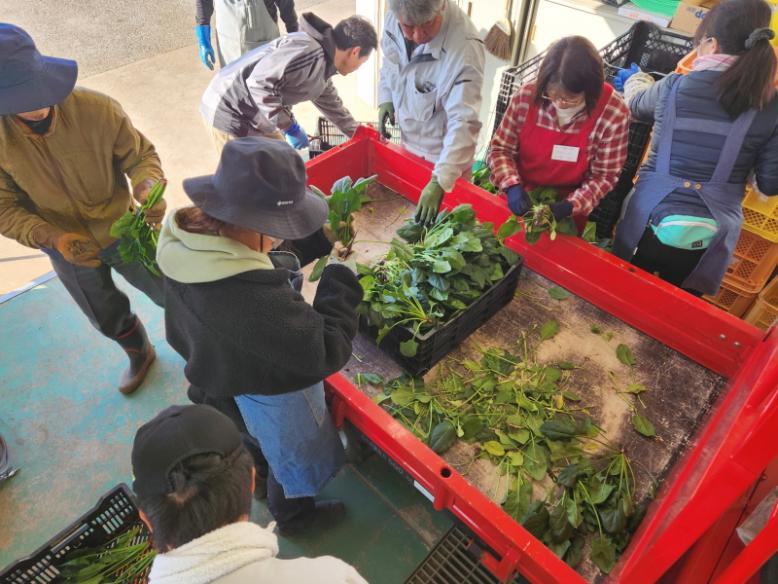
(234, 312)
(65, 156)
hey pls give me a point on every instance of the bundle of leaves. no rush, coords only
(138, 239)
(539, 219)
(123, 559)
(346, 198)
(482, 178)
(432, 274)
(535, 431)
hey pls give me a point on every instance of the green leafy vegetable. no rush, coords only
(549, 329)
(443, 437)
(603, 553)
(346, 198)
(137, 239)
(558, 293)
(624, 353)
(120, 560)
(432, 274)
(643, 425)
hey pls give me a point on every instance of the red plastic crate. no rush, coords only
(726, 457)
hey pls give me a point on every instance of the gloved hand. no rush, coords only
(203, 32)
(332, 236)
(561, 209)
(296, 136)
(429, 202)
(75, 248)
(154, 215)
(385, 113)
(518, 200)
(341, 255)
(622, 75)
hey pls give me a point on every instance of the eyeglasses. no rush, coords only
(571, 102)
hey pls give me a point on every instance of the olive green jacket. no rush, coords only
(73, 176)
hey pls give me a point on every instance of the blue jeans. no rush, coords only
(297, 437)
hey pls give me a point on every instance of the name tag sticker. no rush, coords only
(565, 153)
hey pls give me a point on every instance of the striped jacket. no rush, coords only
(254, 94)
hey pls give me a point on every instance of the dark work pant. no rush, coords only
(669, 263)
(96, 294)
(283, 509)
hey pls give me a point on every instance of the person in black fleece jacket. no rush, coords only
(234, 312)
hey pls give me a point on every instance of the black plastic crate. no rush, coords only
(328, 136)
(656, 51)
(115, 513)
(653, 49)
(437, 343)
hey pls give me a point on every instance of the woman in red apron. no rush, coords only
(567, 130)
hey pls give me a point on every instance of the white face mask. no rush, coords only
(565, 116)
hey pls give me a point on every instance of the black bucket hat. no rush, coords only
(28, 80)
(260, 185)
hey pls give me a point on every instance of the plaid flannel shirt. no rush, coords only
(607, 148)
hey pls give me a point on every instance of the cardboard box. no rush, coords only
(629, 10)
(689, 14)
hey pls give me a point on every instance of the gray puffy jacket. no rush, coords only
(254, 94)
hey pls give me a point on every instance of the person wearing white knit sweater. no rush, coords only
(194, 482)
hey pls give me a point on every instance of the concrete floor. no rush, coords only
(70, 432)
(160, 89)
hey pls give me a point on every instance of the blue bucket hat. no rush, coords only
(28, 80)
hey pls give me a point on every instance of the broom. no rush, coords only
(498, 40)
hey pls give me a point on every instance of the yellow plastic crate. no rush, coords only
(764, 312)
(732, 298)
(753, 261)
(760, 214)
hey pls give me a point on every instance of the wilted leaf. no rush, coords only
(402, 396)
(549, 329)
(574, 515)
(603, 553)
(494, 448)
(624, 353)
(372, 378)
(536, 519)
(535, 462)
(559, 527)
(558, 293)
(516, 458)
(635, 388)
(643, 425)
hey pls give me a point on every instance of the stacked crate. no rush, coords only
(753, 263)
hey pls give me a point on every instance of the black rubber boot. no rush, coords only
(141, 352)
(325, 514)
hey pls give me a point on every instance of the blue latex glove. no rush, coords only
(203, 32)
(561, 209)
(518, 201)
(622, 75)
(296, 136)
